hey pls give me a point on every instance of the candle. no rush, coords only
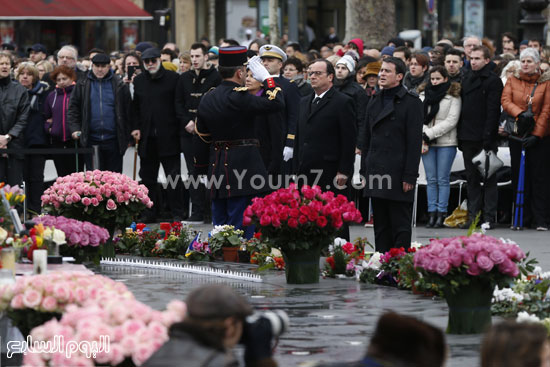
(40, 261)
(7, 258)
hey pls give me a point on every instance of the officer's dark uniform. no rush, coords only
(225, 146)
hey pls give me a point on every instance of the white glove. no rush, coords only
(259, 72)
(288, 152)
(203, 179)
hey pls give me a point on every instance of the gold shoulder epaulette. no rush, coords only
(240, 89)
(272, 94)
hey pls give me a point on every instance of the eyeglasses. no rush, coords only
(316, 73)
(150, 61)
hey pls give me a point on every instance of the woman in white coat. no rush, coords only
(441, 113)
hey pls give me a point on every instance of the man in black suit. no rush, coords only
(326, 134)
(393, 144)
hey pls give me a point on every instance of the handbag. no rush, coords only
(425, 147)
(488, 163)
(524, 124)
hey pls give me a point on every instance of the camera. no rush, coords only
(264, 326)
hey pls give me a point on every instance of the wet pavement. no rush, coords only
(332, 320)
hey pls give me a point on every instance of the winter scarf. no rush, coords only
(434, 95)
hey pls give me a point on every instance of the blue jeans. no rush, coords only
(437, 164)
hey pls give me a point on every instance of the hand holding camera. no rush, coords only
(260, 333)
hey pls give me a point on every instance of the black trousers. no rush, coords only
(197, 194)
(110, 158)
(65, 164)
(536, 181)
(33, 175)
(149, 169)
(479, 198)
(392, 224)
(11, 170)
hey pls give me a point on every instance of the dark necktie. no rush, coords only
(316, 100)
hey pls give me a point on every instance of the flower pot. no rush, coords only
(230, 254)
(302, 266)
(469, 309)
(244, 256)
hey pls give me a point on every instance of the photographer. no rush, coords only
(214, 324)
(527, 84)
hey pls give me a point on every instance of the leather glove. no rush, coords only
(288, 153)
(426, 138)
(259, 72)
(529, 141)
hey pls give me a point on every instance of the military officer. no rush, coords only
(225, 146)
(273, 58)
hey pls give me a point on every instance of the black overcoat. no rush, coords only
(326, 137)
(393, 143)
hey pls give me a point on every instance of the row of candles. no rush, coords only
(7, 260)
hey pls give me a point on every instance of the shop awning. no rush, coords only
(71, 10)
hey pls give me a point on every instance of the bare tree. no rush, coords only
(371, 20)
(274, 21)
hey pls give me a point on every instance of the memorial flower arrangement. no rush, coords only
(200, 252)
(459, 261)
(32, 300)
(42, 237)
(135, 332)
(298, 219)
(345, 257)
(224, 236)
(108, 199)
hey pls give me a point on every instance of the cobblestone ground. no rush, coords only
(332, 320)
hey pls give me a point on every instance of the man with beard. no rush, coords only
(345, 83)
(156, 126)
(192, 86)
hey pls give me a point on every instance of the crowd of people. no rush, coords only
(218, 319)
(392, 106)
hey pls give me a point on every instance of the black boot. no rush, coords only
(431, 221)
(440, 219)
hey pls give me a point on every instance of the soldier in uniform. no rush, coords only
(225, 146)
(273, 58)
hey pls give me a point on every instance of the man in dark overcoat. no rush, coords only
(225, 145)
(156, 126)
(325, 149)
(393, 144)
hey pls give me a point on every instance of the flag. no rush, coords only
(191, 246)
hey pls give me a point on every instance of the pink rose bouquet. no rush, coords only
(32, 300)
(108, 199)
(455, 262)
(299, 219)
(132, 330)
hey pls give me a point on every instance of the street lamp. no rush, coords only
(533, 21)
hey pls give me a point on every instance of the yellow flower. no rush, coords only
(8, 195)
(20, 198)
(39, 241)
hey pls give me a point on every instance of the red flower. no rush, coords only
(258, 235)
(348, 248)
(302, 219)
(247, 221)
(330, 261)
(292, 223)
(294, 213)
(265, 220)
(322, 222)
